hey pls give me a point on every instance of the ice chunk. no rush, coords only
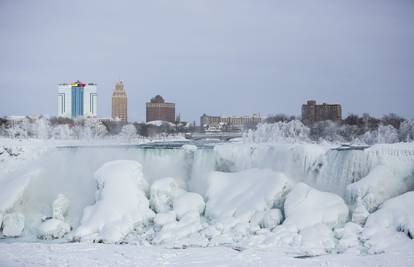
(172, 232)
(60, 207)
(13, 224)
(120, 205)
(317, 239)
(392, 223)
(162, 194)
(189, 147)
(242, 194)
(360, 213)
(53, 229)
(306, 206)
(272, 218)
(162, 219)
(349, 237)
(188, 202)
(382, 183)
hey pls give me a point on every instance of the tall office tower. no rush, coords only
(77, 100)
(120, 103)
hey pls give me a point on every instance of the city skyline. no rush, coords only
(268, 57)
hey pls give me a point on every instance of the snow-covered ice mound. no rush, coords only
(382, 183)
(392, 223)
(306, 206)
(121, 203)
(162, 194)
(240, 195)
(12, 189)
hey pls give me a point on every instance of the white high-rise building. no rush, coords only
(77, 100)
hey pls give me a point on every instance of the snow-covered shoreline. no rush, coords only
(87, 254)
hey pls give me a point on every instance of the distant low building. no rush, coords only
(77, 100)
(159, 110)
(312, 112)
(229, 122)
(120, 103)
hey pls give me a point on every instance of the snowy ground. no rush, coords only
(86, 254)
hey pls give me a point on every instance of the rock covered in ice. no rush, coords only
(162, 194)
(392, 223)
(13, 224)
(241, 194)
(382, 183)
(121, 203)
(60, 207)
(53, 229)
(188, 202)
(306, 206)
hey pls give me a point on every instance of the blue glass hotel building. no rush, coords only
(77, 100)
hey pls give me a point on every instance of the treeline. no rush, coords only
(390, 128)
(66, 128)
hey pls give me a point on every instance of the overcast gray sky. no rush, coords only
(230, 57)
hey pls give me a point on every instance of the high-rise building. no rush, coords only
(312, 112)
(77, 100)
(120, 103)
(159, 110)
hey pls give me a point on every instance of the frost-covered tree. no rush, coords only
(292, 131)
(407, 131)
(384, 134)
(128, 132)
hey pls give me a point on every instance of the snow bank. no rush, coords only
(305, 207)
(121, 203)
(392, 223)
(241, 194)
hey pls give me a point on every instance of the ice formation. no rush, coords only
(305, 207)
(162, 194)
(392, 223)
(121, 203)
(235, 197)
(13, 224)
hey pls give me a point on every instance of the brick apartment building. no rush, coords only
(158, 109)
(312, 112)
